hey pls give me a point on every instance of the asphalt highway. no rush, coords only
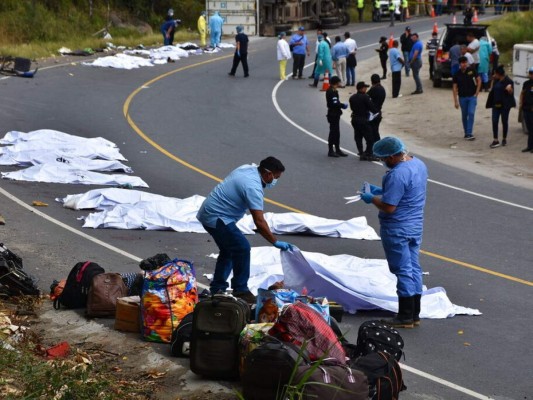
(184, 125)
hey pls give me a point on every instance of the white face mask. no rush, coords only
(271, 184)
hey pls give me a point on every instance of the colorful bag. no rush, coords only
(169, 294)
(300, 324)
(271, 302)
(251, 337)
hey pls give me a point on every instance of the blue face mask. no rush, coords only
(271, 184)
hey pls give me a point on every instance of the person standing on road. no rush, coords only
(351, 61)
(392, 10)
(284, 54)
(473, 48)
(485, 50)
(360, 9)
(432, 45)
(300, 47)
(401, 216)
(362, 106)
(167, 30)
(202, 29)
(466, 87)
(404, 5)
(415, 62)
(241, 52)
(377, 94)
(396, 65)
(335, 108)
(242, 190)
(383, 52)
(318, 32)
(323, 59)
(215, 26)
(339, 53)
(501, 100)
(407, 45)
(526, 105)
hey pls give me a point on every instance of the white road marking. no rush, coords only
(308, 133)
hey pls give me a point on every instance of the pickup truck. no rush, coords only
(449, 35)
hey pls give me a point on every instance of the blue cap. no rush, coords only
(388, 146)
(301, 28)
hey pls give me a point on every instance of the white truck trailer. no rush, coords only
(522, 62)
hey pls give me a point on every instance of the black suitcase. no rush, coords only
(217, 324)
(268, 369)
(14, 280)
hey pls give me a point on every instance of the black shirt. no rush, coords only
(406, 42)
(242, 38)
(334, 104)
(377, 94)
(466, 82)
(527, 89)
(361, 104)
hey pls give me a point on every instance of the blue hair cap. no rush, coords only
(388, 146)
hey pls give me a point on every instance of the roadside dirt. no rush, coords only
(431, 127)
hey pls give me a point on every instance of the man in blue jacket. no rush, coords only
(215, 26)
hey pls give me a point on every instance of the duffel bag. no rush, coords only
(374, 336)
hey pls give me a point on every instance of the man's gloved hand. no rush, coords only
(375, 190)
(344, 106)
(283, 246)
(367, 197)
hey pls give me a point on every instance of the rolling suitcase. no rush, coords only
(217, 324)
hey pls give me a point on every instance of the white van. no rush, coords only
(522, 61)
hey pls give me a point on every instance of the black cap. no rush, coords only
(375, 78)
(361, 85)
(407, 28)
(334, 80)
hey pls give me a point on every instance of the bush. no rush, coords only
(511, 29)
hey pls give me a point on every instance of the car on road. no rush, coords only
(452, 33)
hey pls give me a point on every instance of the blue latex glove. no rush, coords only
(283, 246)
(238, 53)
(375, 190)
(345, 106)
(367, 197)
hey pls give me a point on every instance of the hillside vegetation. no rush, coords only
(38, 28)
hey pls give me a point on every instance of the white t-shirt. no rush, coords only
(284, 50)
(473, 46)
(350, 43)
(469, 58)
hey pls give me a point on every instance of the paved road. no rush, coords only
(193, 111)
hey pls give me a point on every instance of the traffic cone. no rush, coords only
(435, 28)
(325, 84)
(454, 19)
(432, 12)
(475, 19)
(391, 39)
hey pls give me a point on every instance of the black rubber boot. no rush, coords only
(416, 309)
(404, 318)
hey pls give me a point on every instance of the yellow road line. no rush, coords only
(477, 268)
(161, 149)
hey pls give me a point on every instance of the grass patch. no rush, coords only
(512, 28)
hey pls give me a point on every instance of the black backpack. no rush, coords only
(181, 337)
(79, 281)
(384, 375)
(14, 280)
(374, 336)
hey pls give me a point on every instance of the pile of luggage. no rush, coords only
(295, 350)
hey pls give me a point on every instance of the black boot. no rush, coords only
(331, 153)
(339, 152)
(404, 318)
(416, 309)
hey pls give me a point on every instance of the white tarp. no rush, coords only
(132, 209)
(58, 157)
(120, 61)
(62, 173)
(355, 283)
(165, 53)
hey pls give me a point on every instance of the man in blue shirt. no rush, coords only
(241, 52)
(339, 53)
(396, 65)
(300, 47)
(227, 203)
(415, 61)
(401, 216)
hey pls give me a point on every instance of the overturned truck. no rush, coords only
(269, 17)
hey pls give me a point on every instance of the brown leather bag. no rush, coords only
(105, 289)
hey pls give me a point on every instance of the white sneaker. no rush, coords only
(400, 95)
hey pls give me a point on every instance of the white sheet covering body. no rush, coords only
(131, 209)
(355, 283)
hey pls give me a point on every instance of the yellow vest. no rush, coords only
(360, 3)
(392, 7)
(404, 3)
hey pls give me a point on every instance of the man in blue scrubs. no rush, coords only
(401, 201)
(242, 190)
